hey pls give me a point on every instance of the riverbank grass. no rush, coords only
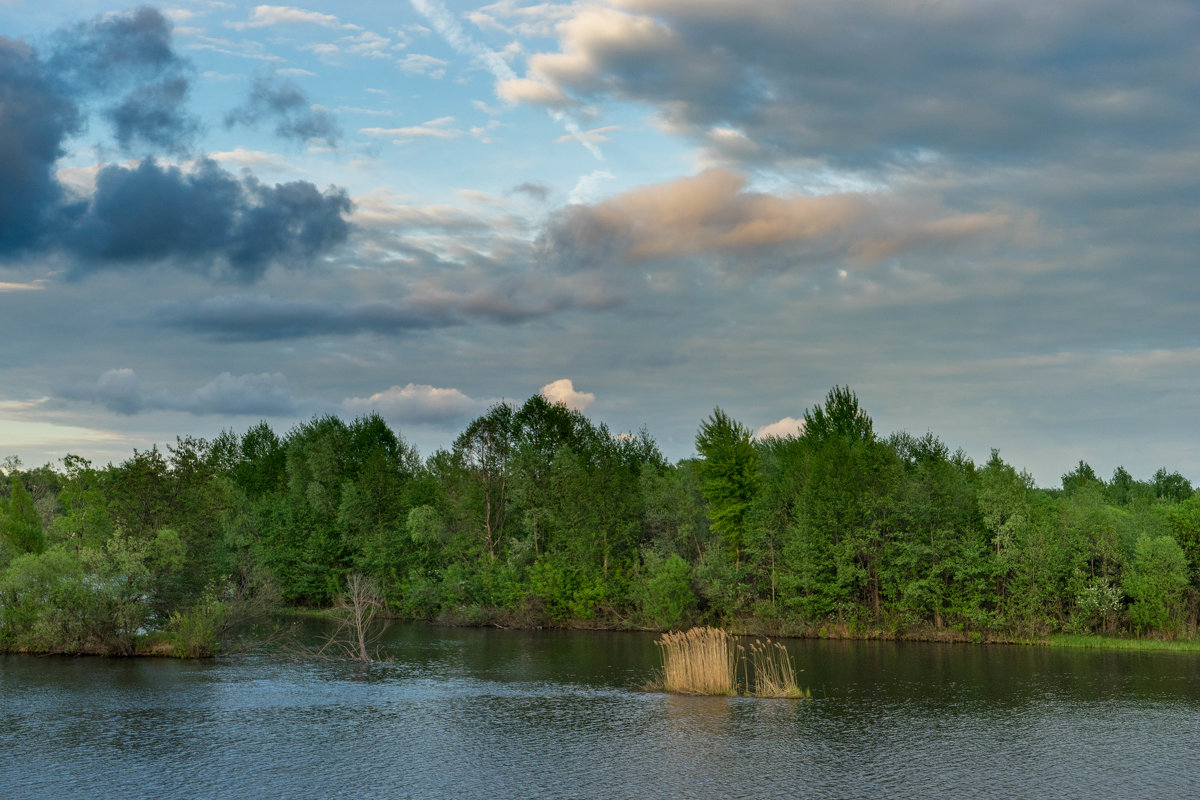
(1115, 643)
(705, 661)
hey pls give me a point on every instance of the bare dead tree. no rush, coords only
(361, 621)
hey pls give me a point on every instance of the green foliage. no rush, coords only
(1081, 478)
(20, 525)
(729, 476)
(667, 597)
(196, 632)
(538, 513)
(564, 590)
(1156, 584)
(1171, 486)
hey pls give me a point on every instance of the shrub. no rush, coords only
(667, 596)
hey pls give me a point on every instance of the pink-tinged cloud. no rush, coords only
(563, 391)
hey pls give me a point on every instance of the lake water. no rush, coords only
(555, 714)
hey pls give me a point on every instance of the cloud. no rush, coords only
(257, 159)
(285, 103)
(128, 52)
(784, 428)
(257, 319)
(595, 135)
(421, 64)
(536, 191)
(383, 210)
(433, 129)
(265, 16)
(563, 391)
(508, 86)
(150, 114)
(206, 219)
(537, 93)
(873, 82)
(121, 392)
(418, 404)
(32, 286)
(714, 214)
(470, 295)
(587, 188)
(35, 117)
(529, 21)
(140, 212)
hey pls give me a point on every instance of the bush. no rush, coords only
(1156, 583)
(667, 598)
(196, 633)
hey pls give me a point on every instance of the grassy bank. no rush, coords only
(1115, 643)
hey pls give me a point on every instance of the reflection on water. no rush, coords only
(504, 714)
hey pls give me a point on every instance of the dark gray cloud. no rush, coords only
(536, 191)
(150, 115)
(120, 391)
(129, 54)
(206, 218)
(256, 319)
(506, 300)
(36, 115)
(115, 49)
(285, 104)
(870, 81)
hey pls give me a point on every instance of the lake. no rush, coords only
(465, 713)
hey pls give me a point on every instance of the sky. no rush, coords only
(981, 215)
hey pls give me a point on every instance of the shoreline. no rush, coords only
(154, 645)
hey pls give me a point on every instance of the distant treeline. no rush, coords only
(537, 515)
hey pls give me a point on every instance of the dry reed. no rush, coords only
(774, 674)
(699, 661)
(705, 661)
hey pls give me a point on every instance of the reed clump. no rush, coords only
(705, 661)
(699, 661)
(774, 673)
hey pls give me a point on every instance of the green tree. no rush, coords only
(20, 526)
(729, 477)
(1082, 477)
(1171, 486)
(1156, 583)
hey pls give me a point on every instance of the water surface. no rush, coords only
(556, 714)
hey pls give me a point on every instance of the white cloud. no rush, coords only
(595, 135)
(506, 79)
(417, 404)
(563, 391)
(587, 188)
(32, 286)
(252, 159)
(432, 129)
(31, 433)
(537, 93)
(264, 16)
(788, 426)
(421, 64)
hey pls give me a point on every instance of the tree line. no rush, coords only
(537, 515)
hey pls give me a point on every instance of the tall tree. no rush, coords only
(729, 476)
(20, 526)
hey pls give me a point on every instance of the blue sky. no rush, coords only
(982, 216)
